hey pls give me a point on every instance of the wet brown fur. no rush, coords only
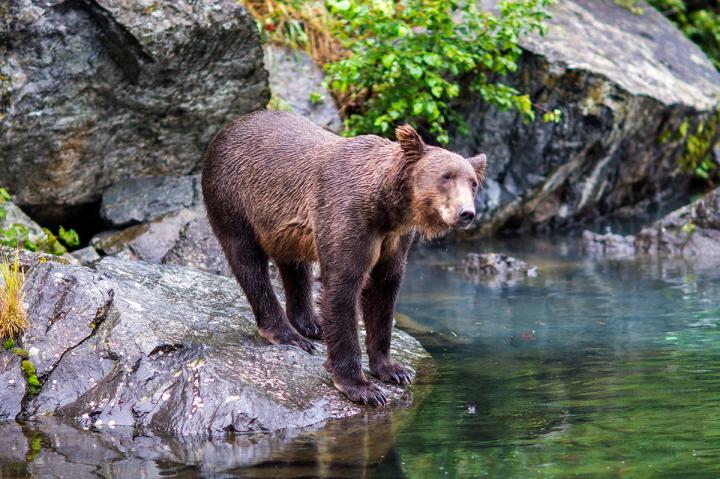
(277, 186)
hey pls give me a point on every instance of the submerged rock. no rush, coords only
(494, 266)
(297, 85)
(632, 90)
(608, 244)
(96, 91)
(170, 350)
(138, 200)
(693, 230)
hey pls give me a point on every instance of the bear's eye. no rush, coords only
(447, 176)
(474, 184)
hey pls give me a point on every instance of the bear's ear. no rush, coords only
(412, 145)
(479, 164)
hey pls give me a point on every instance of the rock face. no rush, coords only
(693, 230)
(94, 91)
(632, 90)
(297, 85)
(167, 350)
(138, 200)
(181, 238)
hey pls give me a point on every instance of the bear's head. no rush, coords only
(442, 184)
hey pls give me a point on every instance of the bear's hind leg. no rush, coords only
(297, 281)
(249, 264)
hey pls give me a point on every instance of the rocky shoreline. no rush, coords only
(167, 350)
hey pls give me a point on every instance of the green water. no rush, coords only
(594, 368)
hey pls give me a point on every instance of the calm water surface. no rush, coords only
(597, 368)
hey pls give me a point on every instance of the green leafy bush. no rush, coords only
(409, 59)
(18, 236)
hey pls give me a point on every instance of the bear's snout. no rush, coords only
(465, 216)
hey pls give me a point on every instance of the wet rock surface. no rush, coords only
(182, 238)
(693, 230)
(95, 91)
(626, 84)
(297, 85)
(168, 350)
(139, 200)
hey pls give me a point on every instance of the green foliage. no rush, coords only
(697, 157)
(69, 237)
(28, 368)
(17, 235)
(23, 353)
(409, 59)
(316, 97)
(552, 116)
(8, 344)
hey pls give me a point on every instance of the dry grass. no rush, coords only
(13, 317)
(302, 25)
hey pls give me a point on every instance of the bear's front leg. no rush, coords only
(378, 307)
(344, 271)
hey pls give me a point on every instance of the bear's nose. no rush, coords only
(466, 216)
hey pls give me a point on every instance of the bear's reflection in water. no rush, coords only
(347, 448)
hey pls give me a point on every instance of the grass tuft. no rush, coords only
(13, 317)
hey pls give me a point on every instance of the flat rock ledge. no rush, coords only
(690, 231)
(166, 350)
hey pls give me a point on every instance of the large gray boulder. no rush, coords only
(693, 230)
(632, 90)
(690, 231)
(297, 85)
(167, 350)
(94, 91)
(138, 200)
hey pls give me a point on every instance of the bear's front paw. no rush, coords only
(308, 326)
(392, 372)
(287, 336)
(362, 391)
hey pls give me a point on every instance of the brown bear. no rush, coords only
(278, 186)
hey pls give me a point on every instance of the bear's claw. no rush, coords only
(392, 372)
(308, 327)
(287, 336)
(362, 392)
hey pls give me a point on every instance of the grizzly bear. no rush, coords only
(278, 186)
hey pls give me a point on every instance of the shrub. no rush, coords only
(301, 25)
(389, 61)
(409, 58)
